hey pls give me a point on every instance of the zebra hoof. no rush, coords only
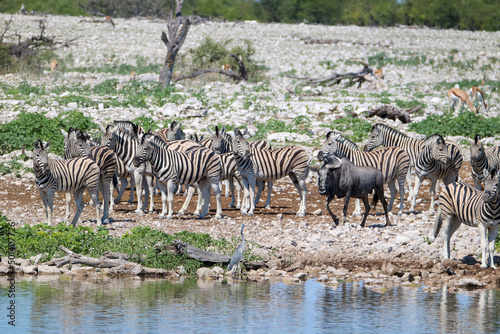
(267, 207)
(483, 266)
(301, 214)
(139, 212)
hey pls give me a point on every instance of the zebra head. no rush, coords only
(240, 145)
(107, 136)
(476, 151)
(376, 139)
(330, 162)
(174, 132)
(330, 145)
(40, 159)
(75, 144)
(144, 150)
(491, 186)
(221, 141)
(436, 145)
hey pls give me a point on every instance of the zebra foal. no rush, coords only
(461, 203)
(73, 175)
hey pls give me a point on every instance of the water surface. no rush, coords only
(50, 305)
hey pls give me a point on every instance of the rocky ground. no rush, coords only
(400, 253)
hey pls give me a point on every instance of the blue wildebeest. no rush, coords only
(342, 178)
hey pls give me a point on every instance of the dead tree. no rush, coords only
(366, 74)
(392, 112)
(178, 27)
(237, 77)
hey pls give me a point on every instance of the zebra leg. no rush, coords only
(239, 187)
(123, 186)
(104, 187)
(68, 202)
(451, 224)
(138, 177)
(230, 182)
(401, 182)
(78, 196)
(201, 200)
(48, 205)
(150, 192)
(245, 205)
(392, 188)
(492, 236)
(205, 192)
(409, 183)
(432, 192)
(269, 191)
(485, 259)
(216, 190)
(251, 189)
(357, 208)
(301, 187)
(418, 182)
(226, 186)
(260, 187)
(111, 190)
(132, 188)
(190, 192)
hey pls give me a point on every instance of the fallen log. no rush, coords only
(198, 254)
(366, 74)
(392, 112)
(116, 261)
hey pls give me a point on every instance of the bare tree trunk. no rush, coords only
(178, 27)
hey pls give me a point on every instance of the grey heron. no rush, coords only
(238, 253)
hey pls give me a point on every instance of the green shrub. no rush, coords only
(139, 243)
(353, 128)
(147, 123)
(466, 124)
(28, 127)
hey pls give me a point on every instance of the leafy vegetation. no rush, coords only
(139, 243)
(466, 124)
(28, 127)
(353, 128)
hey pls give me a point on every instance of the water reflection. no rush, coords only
(47, 304)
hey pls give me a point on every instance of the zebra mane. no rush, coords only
(155, 140)
(126, 134)
(385, 128)
(130, 126)
(435, 137)
(347, 142)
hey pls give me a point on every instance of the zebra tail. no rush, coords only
(437, 224)
(115, 181)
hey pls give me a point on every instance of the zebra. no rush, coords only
(125, 143)
(481, 159)
(392, 161)
(196, 138)
(174, 132)
(462, 203)
(75, 145)
(229, 172)
(73, 175)
(198, 165)
(270, 165)
(448, 172)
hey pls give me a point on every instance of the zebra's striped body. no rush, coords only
(461, 203)
(76, 145)
(424, 168)
(73, 175)
(270, 165)
(481, 159)
(229, 172)
(125, 144)
(392, 161)
(198, 165)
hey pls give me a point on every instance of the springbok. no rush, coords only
(458, 95)
(477, 98)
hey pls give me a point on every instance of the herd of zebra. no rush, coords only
(126, 151)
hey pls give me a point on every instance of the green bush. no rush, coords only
(353, 128)
(28, 127)
(139, 243)
(466, 124)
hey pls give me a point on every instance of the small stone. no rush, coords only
(301, 276)
(44, 269)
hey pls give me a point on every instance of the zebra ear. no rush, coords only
(38, 145)
(217, 131)
(174, 123)
(109, 128)
(210, 131)
(64, 133)
(486, 173)
(237, 132)
(46, 146)
(329, 134)
(477, 138)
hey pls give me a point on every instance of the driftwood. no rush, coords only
(180, 247)
(118, 261)
(366, 74)
(392, 112)
(237, 77)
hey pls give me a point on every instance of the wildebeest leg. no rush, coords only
(346, 204)
(367, 209)
(450, 223)
(327, 206)
(380, 194)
